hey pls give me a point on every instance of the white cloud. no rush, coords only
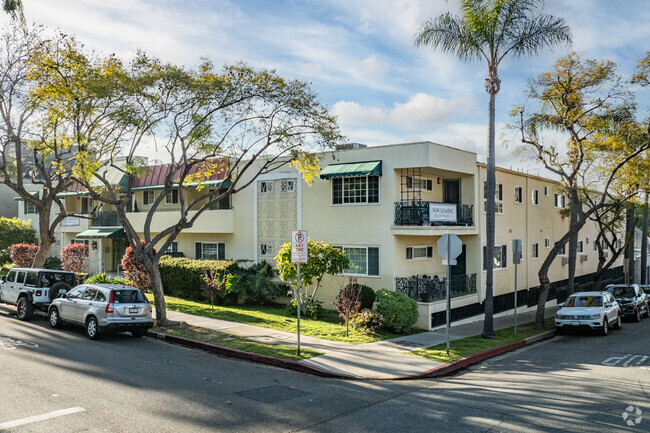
(419, 110)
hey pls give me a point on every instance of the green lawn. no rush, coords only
(464, 347)
(235, 342)
(329, 327)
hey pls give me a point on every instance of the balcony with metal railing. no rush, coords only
(433, 289)
(427, 213)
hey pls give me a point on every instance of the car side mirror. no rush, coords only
(560, 304)
(609, 304)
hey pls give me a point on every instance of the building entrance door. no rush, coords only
(119, 247)
(451, 190)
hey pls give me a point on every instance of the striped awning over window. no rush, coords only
(368, 168)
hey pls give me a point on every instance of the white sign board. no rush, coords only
(449, 247)
(442, 212)
(299, 251)
(70, 221)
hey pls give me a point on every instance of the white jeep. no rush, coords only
(32, 289)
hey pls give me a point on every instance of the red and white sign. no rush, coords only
(299, 251)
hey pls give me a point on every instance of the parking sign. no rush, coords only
(299, 251)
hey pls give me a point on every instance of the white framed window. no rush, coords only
(562, 251)
(594, 246)
(547, 243)
(519, 195)
(547, 191)
(364, 261)
(498, 198)
(619, 243)
(287, 186)
(604, 245)
(419, 183)
(266, 187)
(534, 197)
(419, 252)
(210, 250)
(355, 190)
(30, 208)
(500, 257)
(172, 197)
(559, 200)
(266, 249)
(173, 248)
(87, 205)
(587, 240)
(535, 250)
(148, 197)
(580, 246)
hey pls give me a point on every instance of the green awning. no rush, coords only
(207, 183)
(368, 168)
(35, 194)
(72, 194)
(103, 233)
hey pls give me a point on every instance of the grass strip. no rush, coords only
(235, 342)
(468, 346)
(329, 327)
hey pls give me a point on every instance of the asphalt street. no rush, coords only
(58, 380)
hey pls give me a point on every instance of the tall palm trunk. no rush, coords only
(573, 243)
(644, 243)
(492, 86)
(629, 245)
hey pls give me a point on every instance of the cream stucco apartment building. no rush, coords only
(386, 207)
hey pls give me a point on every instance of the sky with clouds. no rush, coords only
(358, 55)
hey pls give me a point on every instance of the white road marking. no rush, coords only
(37, 418)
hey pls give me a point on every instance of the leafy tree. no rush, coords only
(322, 259)
(54, 99)
(15, 231)
(590, 105)
(610, 223)
(74, 258)
(216, 286)
(237, 122)
(15, 9)
(23, 255)
(490, 30)
(134, 270)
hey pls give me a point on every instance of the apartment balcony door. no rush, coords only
(451, 190)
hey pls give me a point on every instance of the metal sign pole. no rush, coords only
(448, 292)
(298, 303)
(515, 298)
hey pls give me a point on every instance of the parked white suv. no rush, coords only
(589, 310)
(32, 289)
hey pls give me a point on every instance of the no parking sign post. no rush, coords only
(299, 254)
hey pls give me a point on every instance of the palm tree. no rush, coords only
(491, 30)
(15, 9)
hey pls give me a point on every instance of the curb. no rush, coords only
(239, 354)
(440, 371)
(452, 367)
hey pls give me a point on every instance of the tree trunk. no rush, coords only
(158, 294)
(492, 86)
(629, 244)
(573, 242)
(644, 243)
(45, 238)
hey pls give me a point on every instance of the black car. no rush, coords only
(632, 299)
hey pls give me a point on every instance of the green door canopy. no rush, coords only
(102, 233)
(369, 168)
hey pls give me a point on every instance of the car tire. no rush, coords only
(56, 287)
(647, 311)
(559, 331)
(637, 318)
(605, 329)
(24, 309)
(92, 328)
(619, 322)
(55, 318)
(139, 333)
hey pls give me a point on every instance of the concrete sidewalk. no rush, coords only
(378, 360)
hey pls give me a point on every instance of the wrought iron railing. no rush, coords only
(105, 219)
(432, 289)
(417, 213)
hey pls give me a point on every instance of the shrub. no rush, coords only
(183, 277)
(52, 262)
(314, 308)
(398, 310)
(216, 286)
(366, 321)
(367, 296)
(256, 283)
(74, 258)
(15, 231)
(134, 270)
(103, 279)
(23, 254)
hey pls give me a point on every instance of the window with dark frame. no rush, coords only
(355, 190)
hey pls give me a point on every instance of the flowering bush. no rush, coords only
(134, 270)
(74, 258)
(366, 321)
(23, 254)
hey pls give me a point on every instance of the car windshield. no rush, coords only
(126, 296)
(621, 292)
(584, 301)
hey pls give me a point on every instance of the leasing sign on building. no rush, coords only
(442, 212)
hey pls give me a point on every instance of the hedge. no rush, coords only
(183, 277)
